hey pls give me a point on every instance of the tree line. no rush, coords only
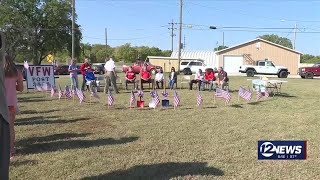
(37, 28)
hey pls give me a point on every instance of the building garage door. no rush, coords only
(231, 64)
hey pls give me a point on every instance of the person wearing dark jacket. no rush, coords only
(172, 78)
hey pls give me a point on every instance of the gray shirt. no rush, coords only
(3, 103)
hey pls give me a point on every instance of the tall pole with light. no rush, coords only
(73, 28)
(180, 34)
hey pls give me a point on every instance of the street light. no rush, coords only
(294, 33)
(212, 27)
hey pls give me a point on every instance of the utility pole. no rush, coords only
(106, 33)
(180, 33)
(172, 33)
(222, 38)
(73, 27)
(184, 42)
(294, 36)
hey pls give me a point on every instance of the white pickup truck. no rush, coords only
(265, 67)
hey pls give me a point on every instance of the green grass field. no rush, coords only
(59, 139)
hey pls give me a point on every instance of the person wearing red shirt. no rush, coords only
(130, 78)
(145, 76)
(84, 68)
(209, 78)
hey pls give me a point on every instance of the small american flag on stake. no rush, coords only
(80, 95)
(26, 65)
(132, 99)
(245, 93)
(110, 99)
(220, 93)
(199, 99)
(94, 93)
(67, 92)
(176, 99)
(60, 93)
(266, 93)
(156, 99)
(52, 91)
(259, 94)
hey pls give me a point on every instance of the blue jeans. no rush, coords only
(171, 83)
(208, 82)
(74, 81)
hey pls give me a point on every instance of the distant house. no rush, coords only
(258, 49)
(233, 57)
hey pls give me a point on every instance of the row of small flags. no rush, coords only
(244, 93)
(155, 98)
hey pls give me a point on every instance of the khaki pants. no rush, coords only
(110, 78)
(4, 149)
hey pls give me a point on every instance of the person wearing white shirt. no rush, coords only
(197, 79)
(172, 78)
(111, 76)
(159, 79)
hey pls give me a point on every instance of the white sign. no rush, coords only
(41, 75)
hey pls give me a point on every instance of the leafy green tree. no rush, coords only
(277, 40)
(220, 48)
(36, 28)
(307, 58)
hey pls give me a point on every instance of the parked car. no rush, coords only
(98, 68)
(23, 70)
(136, 67)
(265, 67)
(189, 67)
(61, 70)
(310, 72)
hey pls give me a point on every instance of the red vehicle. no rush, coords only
(309, 72)
(136, 67)
(61, 70)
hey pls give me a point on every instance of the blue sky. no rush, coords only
(145, 22)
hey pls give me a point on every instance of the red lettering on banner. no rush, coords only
(31, 70)
(46, 70)
(38, 70)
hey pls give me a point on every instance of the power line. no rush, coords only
(243, 30)
(251, 15)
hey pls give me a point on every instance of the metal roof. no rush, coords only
(207, 56)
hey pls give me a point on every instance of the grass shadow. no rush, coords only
(53, 137)
(23, 163)
(43, 120)
(210, 107)
(285, 95)
(38, 112)
(236, 106)
(161, 171)
(33, 99)
(71, 144)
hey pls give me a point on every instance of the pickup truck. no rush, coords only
(264, 67)
(189, 67)
(136, 67)
(309, 72)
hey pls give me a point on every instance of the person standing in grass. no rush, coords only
(73, 70)
(111, 76)
(84, 68)
(4, 120)
(13, 82)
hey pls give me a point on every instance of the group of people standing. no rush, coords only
(87, 73)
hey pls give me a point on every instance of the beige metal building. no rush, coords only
(258, 49)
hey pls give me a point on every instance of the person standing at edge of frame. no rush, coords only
(83, 68)
(4, 120)
(111, 76)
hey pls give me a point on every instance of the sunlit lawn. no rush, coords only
(62, 139)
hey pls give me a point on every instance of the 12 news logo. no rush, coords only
(282, 150)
